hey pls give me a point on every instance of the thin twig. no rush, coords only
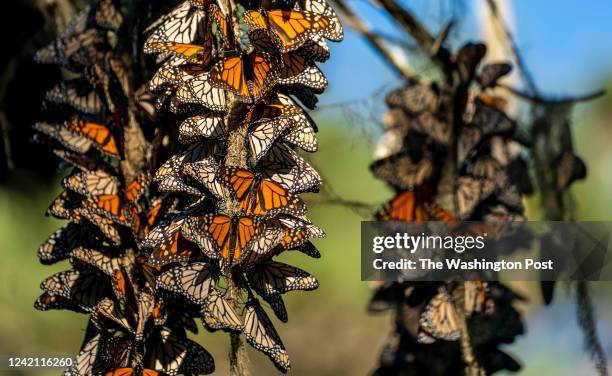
(501, 24)
(409, 22)
(538, 99)
(586, 319)
(375, 40)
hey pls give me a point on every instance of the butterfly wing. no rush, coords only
(260, 334)
(193, 281)
(218, 313)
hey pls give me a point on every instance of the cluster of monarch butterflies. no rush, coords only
(133, 328)
(230, 84)
(457, 127)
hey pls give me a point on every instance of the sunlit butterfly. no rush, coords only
(248, 76)
(291, 29)
(231, 235)
(259, 196)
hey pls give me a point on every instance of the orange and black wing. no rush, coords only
(403, 207)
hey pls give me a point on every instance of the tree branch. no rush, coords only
(375, 40)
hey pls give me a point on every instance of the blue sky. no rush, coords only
(566, 44)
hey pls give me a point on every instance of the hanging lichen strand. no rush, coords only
(132, 329)
(451, 154)
(228, 74)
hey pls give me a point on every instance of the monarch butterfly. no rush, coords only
(303, 134)
(124, 288)
(98, 259)
(198, 89)
(87, 361)
(260, 334)
(570, 168)
(169, 179)
(131, 372)
(412, 206)
(201, 127)
(290, 28)
(295, 231)
(84, 162)
(471, 192)
(92, 183)
(77, 93)
(84, 287)
(115, 208)
(491, 120)
(194, 281)
(225, 27)
(106, 226)
(172, 170)
(191, 53)
(131, 319)
(492, 100)
(248, 76)
(316, 48)
(414, 99)
(174, 249)
(197, 53)
(182, 25)
(285, 167)
(440, 319)
(107, 315)
(107, 16)
(168, 76)
(61, 243)
(401, 171)
(297, 69)
(172, 355)
(260, 196)
(217, 313)
(101, 135)
(267, 123)
(475, 297)
(70, 140)
(204, 172)
(308, 249)
(47, 301)
(232, 236)
(74, 51)
(157, 209)
(274, 277)
(487, 166)
(262, 248)
(491, 73)
(497, 224)
(64, 205)
(324, 8)
(468, 58)
(275, 300)
(432, 126)
(469, 140)
(510, 196)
